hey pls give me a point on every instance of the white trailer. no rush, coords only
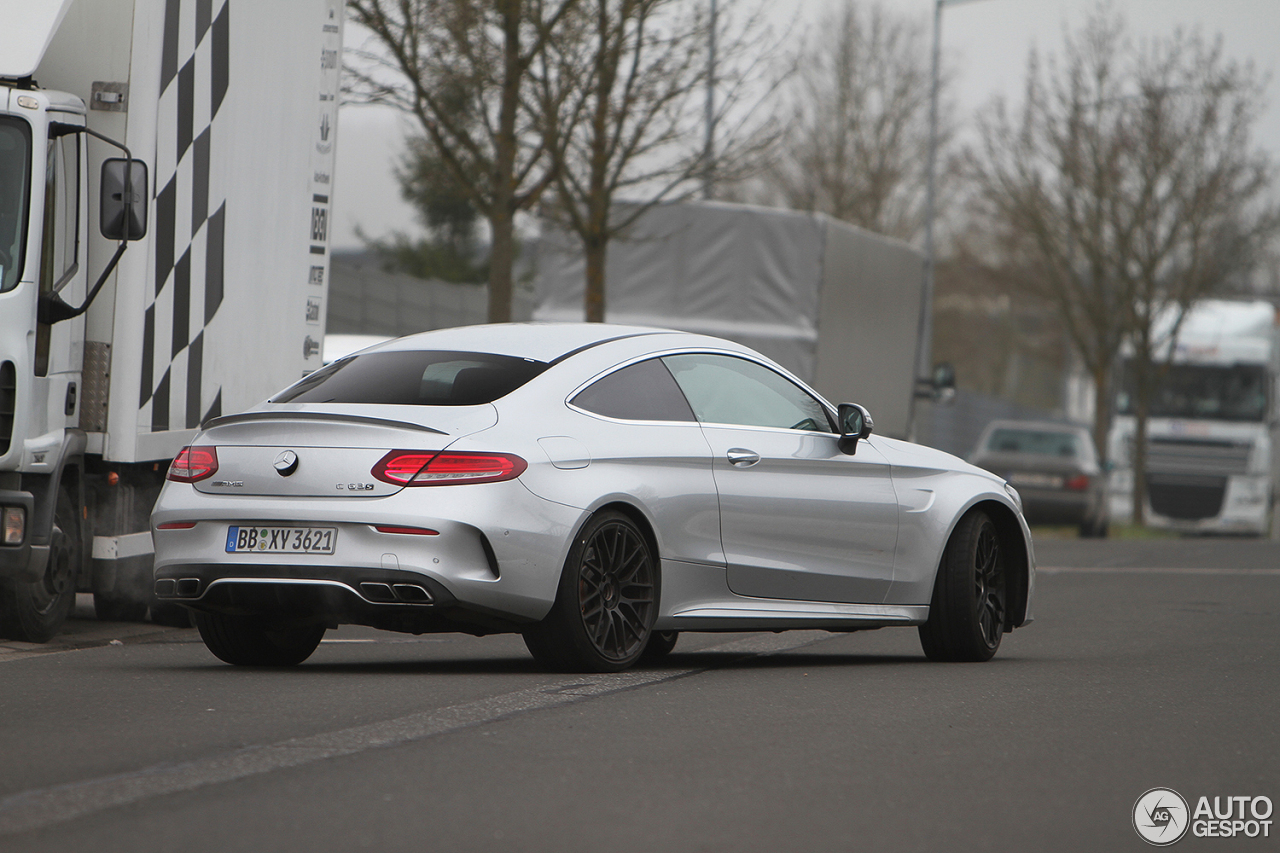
(1210, 460)
(212, 124)
(836, 305)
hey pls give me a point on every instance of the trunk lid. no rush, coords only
(326, 452)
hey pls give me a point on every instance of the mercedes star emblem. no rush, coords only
(286, 463)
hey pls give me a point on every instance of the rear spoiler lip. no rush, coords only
(316, 416)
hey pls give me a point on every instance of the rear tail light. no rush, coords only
(447, 468)
(1078, 483)
(194, 464)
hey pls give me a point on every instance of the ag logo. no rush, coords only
(1160, 816)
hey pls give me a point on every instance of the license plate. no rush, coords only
(281, 540)
(1034, 480)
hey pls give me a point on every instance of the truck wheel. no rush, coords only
(253, 642)
(34, 612)
(111, 609)
(967, 611)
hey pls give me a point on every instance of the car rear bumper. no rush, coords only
(504, 560)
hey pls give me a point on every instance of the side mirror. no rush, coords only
(122, 210)
(855, 424)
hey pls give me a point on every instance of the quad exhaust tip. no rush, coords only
(182, 588)
(400, 593)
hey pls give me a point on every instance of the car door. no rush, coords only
(799, 519)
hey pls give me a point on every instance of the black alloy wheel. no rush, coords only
(607, 600)
(968, 610)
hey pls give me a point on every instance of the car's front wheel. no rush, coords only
(252, 642)
(606, 602)
(967, 610)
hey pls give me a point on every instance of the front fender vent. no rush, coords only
(8, 404)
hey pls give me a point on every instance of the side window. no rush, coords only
(727, 390)
(643, 391)
(61, 197)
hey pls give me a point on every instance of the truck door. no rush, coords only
(59, 349)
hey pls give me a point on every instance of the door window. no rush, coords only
(728, 390)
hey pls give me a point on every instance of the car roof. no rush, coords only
(546, 342)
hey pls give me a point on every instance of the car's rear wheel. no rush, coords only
(252, 642)
(606, 602)
(968, 610)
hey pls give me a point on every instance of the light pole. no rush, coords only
(924, 347)
(709, 150)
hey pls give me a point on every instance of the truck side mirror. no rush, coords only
(122, 213)
(855, 424)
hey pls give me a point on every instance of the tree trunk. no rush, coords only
(501, 260)
(1102, 411)
(1142, 391)
(594, 297)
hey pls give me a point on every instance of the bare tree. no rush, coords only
(1125, 189)
(621, 97)
(857, 141)
(460, 68)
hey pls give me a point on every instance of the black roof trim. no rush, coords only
(585, 347)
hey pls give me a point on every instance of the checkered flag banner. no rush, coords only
(190, 217)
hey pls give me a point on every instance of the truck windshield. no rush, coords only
(15, 172)
(1234, 393)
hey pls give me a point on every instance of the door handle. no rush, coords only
(740, 457)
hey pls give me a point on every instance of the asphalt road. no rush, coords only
(1150, 664)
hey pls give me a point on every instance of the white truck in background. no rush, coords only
(836, 305)
(165, 183)
(1210, 430)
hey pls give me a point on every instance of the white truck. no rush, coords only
(1210, 460)
(165, 184)
(836, 305)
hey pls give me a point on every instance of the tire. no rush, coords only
(34, 612)
(111, 609)
(171, 615)
(606, 602)
(968, 609)
(252, 642)
(660, 645)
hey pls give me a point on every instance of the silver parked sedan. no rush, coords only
(595, 488)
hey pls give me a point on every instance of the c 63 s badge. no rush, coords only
(355, 487)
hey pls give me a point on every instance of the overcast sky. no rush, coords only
(985, 41)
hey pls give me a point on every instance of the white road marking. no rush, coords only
(35, 809)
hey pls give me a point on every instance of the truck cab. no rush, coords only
(163, 259)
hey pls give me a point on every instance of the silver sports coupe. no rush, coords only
(595, 488)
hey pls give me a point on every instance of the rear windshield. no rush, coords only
(1033, 441)
(418, 378)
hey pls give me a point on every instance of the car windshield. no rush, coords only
(1040, 442)
(1229, 393)
(415, 378)
(15, 171)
